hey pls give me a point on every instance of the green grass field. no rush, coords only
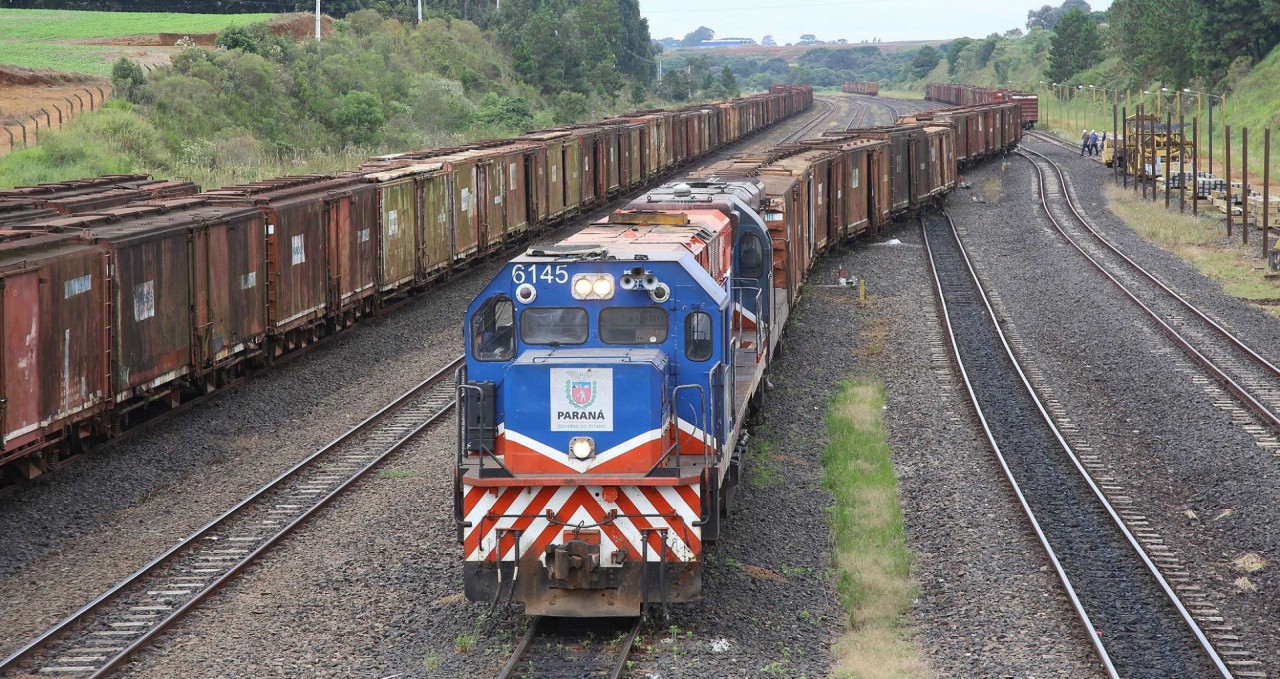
(40, 38)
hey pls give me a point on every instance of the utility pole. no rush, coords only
(317, 20)
(419, 11)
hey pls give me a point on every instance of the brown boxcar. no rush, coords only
(228, 290)
(151, 296)
(297, 256)
(53, 374)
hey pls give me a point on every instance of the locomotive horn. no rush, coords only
(627, 282)
(660, 293)
(650, 282)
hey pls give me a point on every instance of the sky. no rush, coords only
(854, 20)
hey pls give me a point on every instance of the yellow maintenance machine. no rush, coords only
(1149, 144)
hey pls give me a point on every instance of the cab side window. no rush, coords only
(493, 336)
(697, 336)
(751, 256)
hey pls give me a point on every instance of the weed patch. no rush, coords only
(872, 561)
(1199, 241)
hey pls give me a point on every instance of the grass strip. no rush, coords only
(1201, 241)
(872, 562)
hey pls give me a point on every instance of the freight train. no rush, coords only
(121, 297)
(610, 378)
(861, 87)
(968, 95)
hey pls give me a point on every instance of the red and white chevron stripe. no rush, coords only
(542, 515)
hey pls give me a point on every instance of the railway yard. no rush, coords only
(1108, 508)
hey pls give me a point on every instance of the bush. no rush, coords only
(238, 38)
(570, 107)
(128, 80)
(504, 113)
(360, 117)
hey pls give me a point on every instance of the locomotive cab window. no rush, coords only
(634, 325)
(493, 336)
(553, 326)
(697, 336)
(751, 256)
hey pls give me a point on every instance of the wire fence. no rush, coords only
(24, 130)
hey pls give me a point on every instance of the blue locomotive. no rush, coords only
(607, 382)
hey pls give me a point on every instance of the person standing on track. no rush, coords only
(1093, 143)
(1084, 141)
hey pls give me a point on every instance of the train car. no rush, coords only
(967, 95)
(861, 87)
(607, 384)
(205, 288)
(53, 380)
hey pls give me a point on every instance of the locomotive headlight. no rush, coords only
(603, 287)
(582, 447)
(526, 293)
(593, 286)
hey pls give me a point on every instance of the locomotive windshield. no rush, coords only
(553, 326)
(634, 325)
(493, 330)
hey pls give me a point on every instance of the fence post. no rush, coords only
(24, 133)
(60, 121)
(1168, 132)
(37, 122)
(77, 96)
(1124, 120)
(48, 122)
(1140, 174)
(1226, 137)
(91, 103)
(1182, 160)
(12, 142)
(1195, 165)
(1244, 185)
(102, 96)
(1266, 192)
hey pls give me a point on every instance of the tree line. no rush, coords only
(1178, 42)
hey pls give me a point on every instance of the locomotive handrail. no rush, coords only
(463, 432)
(675, 411)
(750, 284)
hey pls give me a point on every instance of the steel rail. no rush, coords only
(1150, 565)
(509, 670)
(809, 126)
(102, 601)
(1241, 392)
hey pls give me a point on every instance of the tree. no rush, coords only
(697, 37)
(954, 48)
(729, 82)
(768, 40)
(128, 80)
(570, 107)
(360, 117)
(1225, 30)
(1153, 39)
(676, 86)
(926, 59)
(1075, 46)
(1048, 17)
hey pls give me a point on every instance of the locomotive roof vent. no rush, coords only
(682, 190)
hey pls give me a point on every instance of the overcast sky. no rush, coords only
(855, 20)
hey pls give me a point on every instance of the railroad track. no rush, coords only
(1252, 379)
(573, 648)
(860, 114)
(104, 633)
(1135, 621)
(808, 127)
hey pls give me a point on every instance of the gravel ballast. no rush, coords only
(1199, 479)
(372, 586)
